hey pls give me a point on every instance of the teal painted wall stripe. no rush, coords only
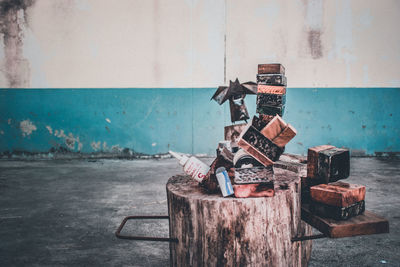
(156, 120)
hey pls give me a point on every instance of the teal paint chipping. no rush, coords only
(153, 121)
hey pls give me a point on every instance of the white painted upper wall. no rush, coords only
(181, 43)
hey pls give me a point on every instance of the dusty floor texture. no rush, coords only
(65, 213)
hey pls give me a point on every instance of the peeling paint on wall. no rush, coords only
(27, 127)
(70, 140)
(49, 129)
(13, 20)
(95, 145)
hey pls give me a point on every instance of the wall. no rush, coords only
(341, 59)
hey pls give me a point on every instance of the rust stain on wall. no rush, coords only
(13, 20)
(314, 43)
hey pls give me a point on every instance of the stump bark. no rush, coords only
(217, 231)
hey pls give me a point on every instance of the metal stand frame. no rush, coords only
(143, 238)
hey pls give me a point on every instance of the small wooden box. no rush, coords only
(312, 159)
(338, 194)
(271, 89)
(334, 164)
(271, 79)
(258, 146)
(271, 69)
(278, 131)
(270, 100)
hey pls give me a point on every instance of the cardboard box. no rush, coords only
(338, 194)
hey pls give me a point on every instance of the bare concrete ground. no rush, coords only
(65, 213)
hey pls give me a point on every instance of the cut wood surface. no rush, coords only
(217, 231)
(278, 131)
(338, 194)
(365, 224)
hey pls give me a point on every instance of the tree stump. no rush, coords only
(216, 231)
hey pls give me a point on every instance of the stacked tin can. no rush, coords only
(271, 90)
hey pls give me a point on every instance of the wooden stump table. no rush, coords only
(216, 231)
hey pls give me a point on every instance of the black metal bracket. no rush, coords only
(143, 238)
(309, 237)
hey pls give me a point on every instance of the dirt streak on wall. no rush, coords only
(13, 19)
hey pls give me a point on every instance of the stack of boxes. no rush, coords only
(271, 90)
(339, 201)
(249, 151)
(326, 165)
(258, 144)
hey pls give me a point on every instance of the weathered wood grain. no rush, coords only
(271, 69)
(338, 194)
(364, 224)
(217, 231)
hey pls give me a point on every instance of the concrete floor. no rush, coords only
(65, 213)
